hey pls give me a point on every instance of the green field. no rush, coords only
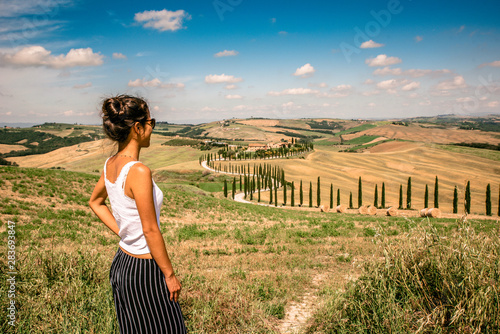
(244, 267)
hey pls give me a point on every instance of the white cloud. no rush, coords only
(389, 84)
(171, 85)
(418, 39)
(493, 104)
(88, 84)
(28, 20)
(371, 44)
(387, 71)
(241, 107)
(305, 71)
(230, 87)
(368, 82)
(233, 97)
(411, 86)
(162, 20)
(226, 53)
(39, 56)
(273, 20)
(143, 83)
(154, 83)
(392, 84)
(117, 55)
(293, 91)
(214, 79)
(495, 63)
(372, 92)
(420, 73)
(341, 88)
(13, 8)
(382, 60)
(415, 73)
(461, 28)
(371, 104)
(455, 83)
(335, 92)
(283, 33)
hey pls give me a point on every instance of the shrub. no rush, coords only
(431, 285)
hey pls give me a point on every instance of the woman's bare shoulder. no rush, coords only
(141, 170)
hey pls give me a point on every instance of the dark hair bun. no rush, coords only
(120, 113)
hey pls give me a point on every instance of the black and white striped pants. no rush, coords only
(142, 299)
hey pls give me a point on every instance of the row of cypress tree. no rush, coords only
(266, 176)
(281, 152)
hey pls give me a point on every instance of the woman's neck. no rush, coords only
(129, 149)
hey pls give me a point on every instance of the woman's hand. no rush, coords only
(174, 286)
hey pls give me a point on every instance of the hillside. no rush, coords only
(382, 151)
(244, 268)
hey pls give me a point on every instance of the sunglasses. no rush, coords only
(153, 122)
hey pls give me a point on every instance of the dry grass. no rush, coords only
(394, 166)
(415, 132)
(5, 148)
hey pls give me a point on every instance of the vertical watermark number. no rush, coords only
(11, 272)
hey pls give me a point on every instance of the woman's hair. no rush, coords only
(119, 114)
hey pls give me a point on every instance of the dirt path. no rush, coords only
(298, 313)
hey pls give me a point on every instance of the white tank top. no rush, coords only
(125, 211)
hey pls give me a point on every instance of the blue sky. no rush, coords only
(198, 61)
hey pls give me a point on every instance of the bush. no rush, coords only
(431, 285)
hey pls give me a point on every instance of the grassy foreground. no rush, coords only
(243, 266)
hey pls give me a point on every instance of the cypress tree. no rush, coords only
(408, 194)
(270, 192)
(234, 187)
(436, 193)
(301, 194)
(318, 194)
(400, 196)
(426, 197)
(498, 212)
(350, 200)
(360, 193)
(245, 186)
(488, 200)
(338, 196)
(251, 186)
(225, 188)
(382, 204)
(275, 193)
(258, 188)
(331, 195)
(240, 182)
(455, 200)
(284, 194)
(310, 194)
(375, 197)
(467, 198)
(293, 194)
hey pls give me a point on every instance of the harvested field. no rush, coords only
(259, 122)
(90, 156)
(5, 148)
(414, 132)
(422, 162)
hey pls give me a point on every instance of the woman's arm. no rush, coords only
(141, 184)
(98, 205)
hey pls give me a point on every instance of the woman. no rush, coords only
(145, 288)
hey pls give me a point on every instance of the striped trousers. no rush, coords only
(142, 299)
